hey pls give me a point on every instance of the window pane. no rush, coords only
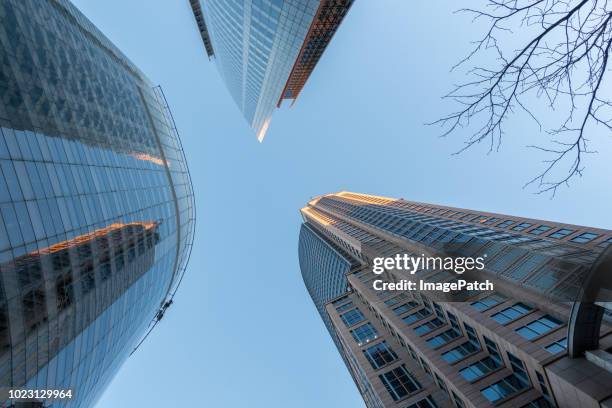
(399, 383)
(364, 334)
(379, 355)
(352, 317)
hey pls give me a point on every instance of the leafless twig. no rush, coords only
(564, 64)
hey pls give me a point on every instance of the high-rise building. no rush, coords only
(96, 204)
(542, 338)
(266, 49)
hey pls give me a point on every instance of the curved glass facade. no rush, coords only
(96, 206)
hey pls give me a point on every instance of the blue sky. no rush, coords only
(243, 331)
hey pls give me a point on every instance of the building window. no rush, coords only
(416, 316)
(518, 367)
(483, 367)
(460, 352)
(522, 226)
(505, 224)
(382, 294)
(538, 327)
(471, 333)
(510, 385)
(458, 401)
(505, 388)
(344, 307)
(511, 313)
(424, 403)
(584, 238)
(401, 341)
(518, 238)
(480, 368)
(490, 221)
(488, 302)
(539, 230)
(562, 233)
(352, 317)
(542, 383)
(425, 367)
(441, 383)
(559, 346)
(410, 350)
(526, 266)
(429, 326)
(364, 334)
(539, 403)
(506, 258)
(604, 244)
(405, 307)
(443, 338)
(492, 348)
(395, 300)
(438, 310)
(453, 321)
(399, 382)
(340, 301)
(380, 355)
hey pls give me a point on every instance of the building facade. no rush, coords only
(96, 204)
(527, 343)
(266, 49)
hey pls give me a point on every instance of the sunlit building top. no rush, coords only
(266, 49)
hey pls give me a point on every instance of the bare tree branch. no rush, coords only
(564, 65)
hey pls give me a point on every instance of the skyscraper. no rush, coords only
(96, 204)
(266, 49)
(539, 339)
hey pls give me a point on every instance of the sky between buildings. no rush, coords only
(243, 331)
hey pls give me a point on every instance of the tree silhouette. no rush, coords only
(562, 64)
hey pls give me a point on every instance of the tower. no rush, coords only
(527, 343)
(266, 49)
(96, 204)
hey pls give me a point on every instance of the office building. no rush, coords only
(265, 50)
(542, 338)
(96, 204)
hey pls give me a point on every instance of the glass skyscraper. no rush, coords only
(266, 49)
(542, 338)
(96, 205)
